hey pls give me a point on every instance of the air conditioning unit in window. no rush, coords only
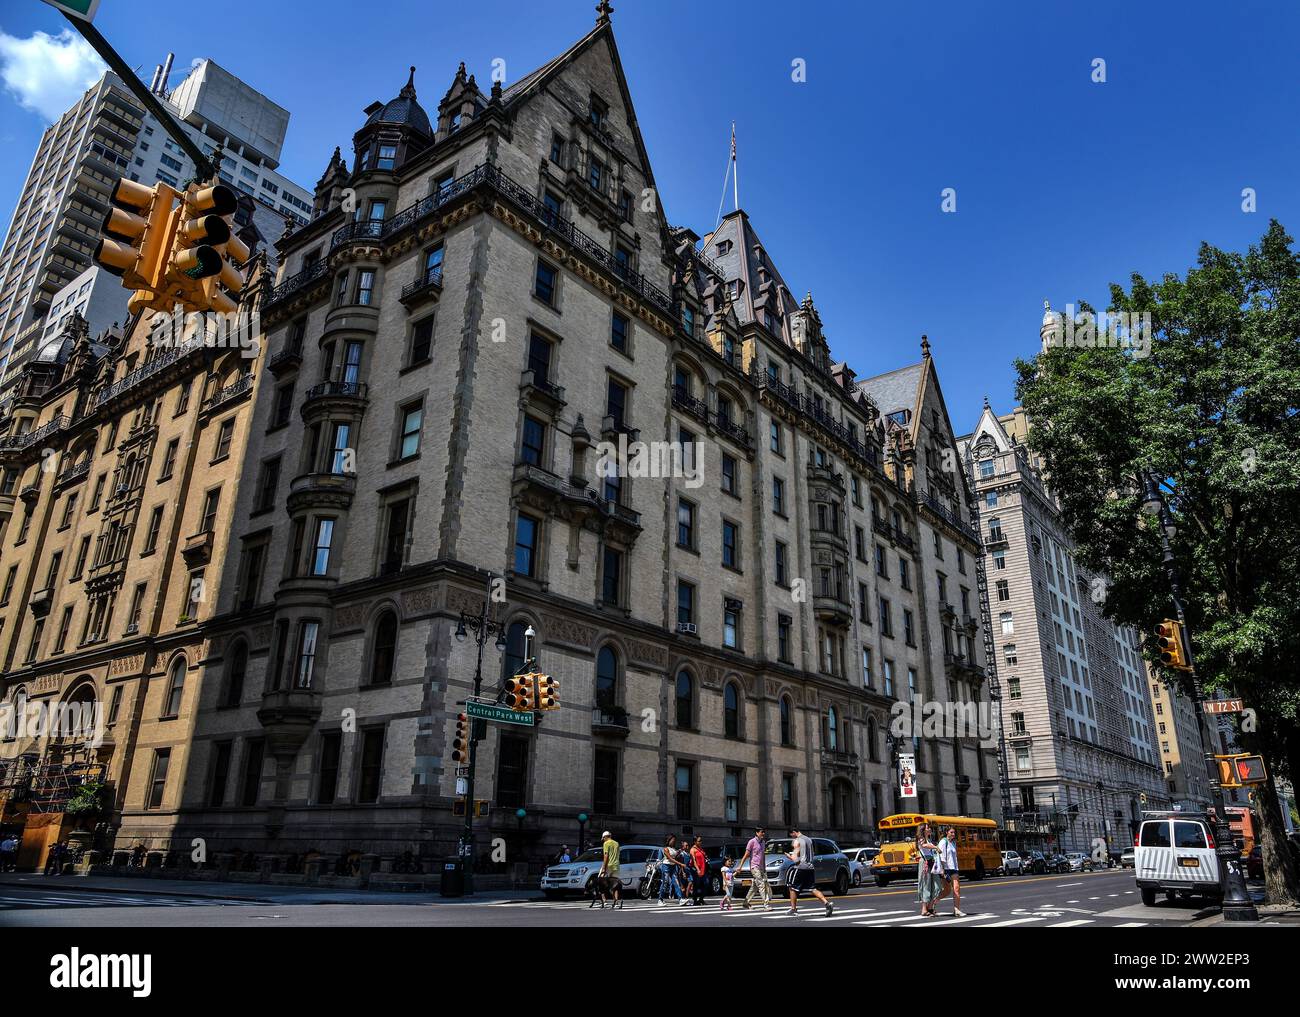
(688, 629)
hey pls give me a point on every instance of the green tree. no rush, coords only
(1210, 408)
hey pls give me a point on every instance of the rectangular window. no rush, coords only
(684, 790)
(909, 632)
(612, 576)
(306, 658)
(730, 544)
(526, 533)
(158, 778)
(778, 496)
(252, 783)
(544, 284)
(782, 579)
(150, 539)
(409, 443)
(729, 474)
(221, 752)
(320, 561)
(421, 340)
(168, 466)
(539, 357)
(533, 447)
(886, 621)
(267, 483)
(225, 434)
(616, 403)
(618, 332)
(730, 625)
(605, 783)
(685, 524)
(372, 757)
(783, 625)
(731, 796)
(327, 778)
(210, 505)
(685, 603)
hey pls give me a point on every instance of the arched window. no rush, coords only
(872, 752)
(78, 724)
(175, 688)
(384, 650)
(731, 711)
(685, 699)
(606, 678)
(512, 661)
(832, 729)
(787, 721)
(235, 674)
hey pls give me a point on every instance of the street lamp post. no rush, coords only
(1237, 905)
(484, 627)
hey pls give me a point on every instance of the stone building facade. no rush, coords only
(117, 494)
(488, 306)
(1081, 737)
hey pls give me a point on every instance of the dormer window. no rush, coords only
(454, 124)
(387, 157)
(599, 113)
(724, 248)
(363, 163)
(596, 174)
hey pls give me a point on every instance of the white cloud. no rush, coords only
(47, 74)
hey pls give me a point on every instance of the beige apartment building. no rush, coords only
(1082, 750)
(117, 496)
(487, 304)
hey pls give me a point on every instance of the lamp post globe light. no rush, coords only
(1237, 905)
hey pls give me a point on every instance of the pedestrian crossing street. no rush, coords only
(810, 912)
(80, 899)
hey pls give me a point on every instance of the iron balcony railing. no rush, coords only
(928, 499)
(348, 389)
(18, 442)
(299, 281)
(231, 391)
(158, 363)
(686, 402)
(730, 428)
(362, 229)
(426, 280)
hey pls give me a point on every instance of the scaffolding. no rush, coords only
(46, 785)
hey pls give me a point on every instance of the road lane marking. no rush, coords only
(1013, 921)
(1131, 925)
(1066, 925)
(889, 921)
(952, 921)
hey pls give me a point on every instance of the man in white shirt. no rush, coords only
(951, 873)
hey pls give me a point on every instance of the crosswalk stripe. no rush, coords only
(845, 916)
(1066, 925)
(890, 921)
(1013, 921)
(951, 921)
(1130, 925)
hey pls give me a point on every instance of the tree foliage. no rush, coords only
(1210, 410)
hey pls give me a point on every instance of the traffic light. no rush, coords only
(199, 273)
(460, 744)
(1169, 641)
(519, 692)
(1241, 770)
(548, 692)
(137, 241)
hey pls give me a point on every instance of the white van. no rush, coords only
(1175, 853)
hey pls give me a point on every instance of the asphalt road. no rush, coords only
(1079, 900)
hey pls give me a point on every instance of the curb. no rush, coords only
(143, 891)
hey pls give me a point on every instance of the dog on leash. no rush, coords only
(602, 888)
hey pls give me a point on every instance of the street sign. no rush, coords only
(82, 10)
(500, 714)
(1223, 706)
(462, 786)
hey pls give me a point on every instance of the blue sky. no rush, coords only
(1062, 184)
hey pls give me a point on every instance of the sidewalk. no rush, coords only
(253, 893)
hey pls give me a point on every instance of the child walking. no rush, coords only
(728, 882)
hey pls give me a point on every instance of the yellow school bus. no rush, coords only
(978, 848)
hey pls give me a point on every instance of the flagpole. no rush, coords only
(735, 170)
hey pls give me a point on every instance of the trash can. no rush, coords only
(452, 883)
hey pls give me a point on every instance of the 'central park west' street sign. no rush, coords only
(487, 711)
(82, 10)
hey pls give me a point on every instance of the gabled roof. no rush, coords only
(761, 283)
(895, 390)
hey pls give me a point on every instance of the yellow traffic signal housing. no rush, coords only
(197, 264)
(1169, 641)
(460, 743)
(137, 240)
(548, 692)
(520, 692)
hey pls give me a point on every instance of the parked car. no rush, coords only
(716, 856)
(860, 859)
(1012, 863)
(1079, 862)
(1127, 859)
(1035, 863)
(576, 876)
(831, 865)
(1175, 853)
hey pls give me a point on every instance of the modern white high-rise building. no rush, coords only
(107, 135)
